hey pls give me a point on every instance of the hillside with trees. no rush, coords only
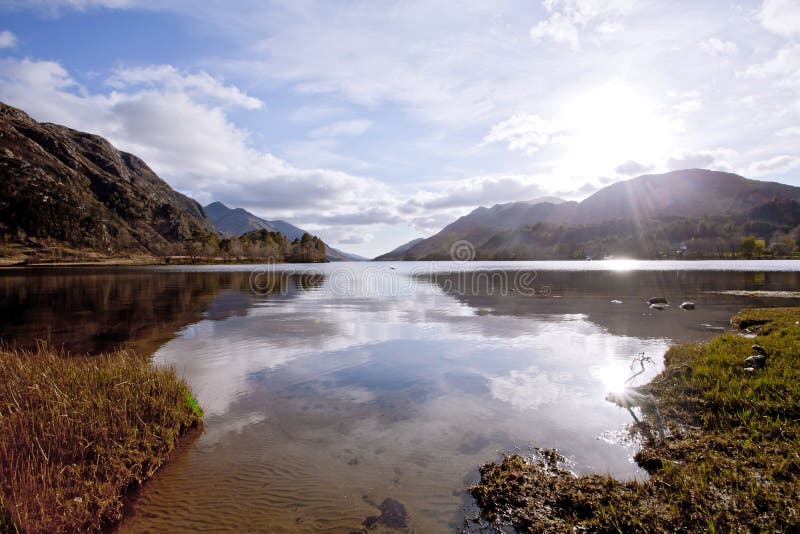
(69, 189)
(697, 214)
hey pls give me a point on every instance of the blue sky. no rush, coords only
(372, 123)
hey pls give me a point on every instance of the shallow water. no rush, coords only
(330, 388)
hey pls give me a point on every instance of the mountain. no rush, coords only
(400, 250)
(686, 193)
(334, 254)
(238, 221)
(647, 216)
(74, 190)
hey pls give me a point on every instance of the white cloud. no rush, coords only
(349, 128)
(373, 215)
(525, 390)
(791, 131)
(780, 16)
(690, 161)
(441, 62)
(56, 5)
(785, 67)
(7, 39)
(714, 45)
(775, 165)
(632, 168)
(476, 191)
(167, 79)
(717, 159)
(560, 28)
(688, 106)
(526, 133)
(343, 235)
(567, 18)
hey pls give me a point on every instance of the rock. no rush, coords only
(756, 361)
(687, 306)
(657, 300)
(393, 515)
(659, 306)
(758, 349)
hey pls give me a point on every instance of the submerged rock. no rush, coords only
(393, 515)
(657, 300)
(615, 301)
(688, 305)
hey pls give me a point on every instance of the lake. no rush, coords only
(329, 388)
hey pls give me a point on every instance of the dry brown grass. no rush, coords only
(77, 432)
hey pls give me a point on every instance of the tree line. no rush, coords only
(707, 238)
(255, 246)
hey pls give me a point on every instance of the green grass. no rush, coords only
(731, 462)
(193, 404)
(76, 433)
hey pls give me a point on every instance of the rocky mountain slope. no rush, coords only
(238, 221)
(402, 249)
(647, 216)
(61, 187)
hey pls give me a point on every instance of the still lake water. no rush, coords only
(329, 388)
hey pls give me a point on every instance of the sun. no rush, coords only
(613, 378)
(621, 264)
(613, 123)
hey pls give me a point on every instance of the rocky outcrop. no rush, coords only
(62, 186)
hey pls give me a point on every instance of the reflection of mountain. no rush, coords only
(590, 294)
(91, 311)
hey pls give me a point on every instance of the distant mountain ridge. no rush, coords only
(238, 221)
(61, 186)
(621, 218)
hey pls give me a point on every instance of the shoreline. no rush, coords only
(730, 461)
(160, 262)
(79, 433)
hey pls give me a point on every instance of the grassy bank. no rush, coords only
(730, 463)
(77, 432)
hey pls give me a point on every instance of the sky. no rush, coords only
(373, 123)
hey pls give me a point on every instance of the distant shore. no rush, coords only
(730, 461)
(17, 263)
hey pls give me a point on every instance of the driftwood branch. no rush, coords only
(632, 397)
